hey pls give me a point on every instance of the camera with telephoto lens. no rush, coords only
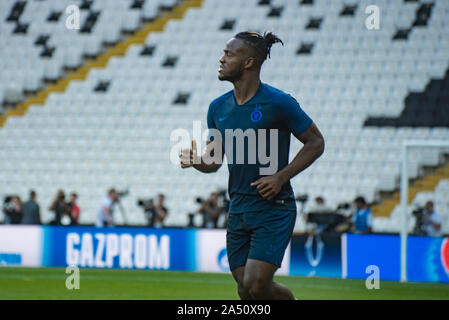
(302, 198)
(7, 203)
(419, 213)
(344, 206)
(199, 200)
(146, 204)
(122, 194)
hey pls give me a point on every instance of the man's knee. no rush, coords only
(242, 291)
(257, 287)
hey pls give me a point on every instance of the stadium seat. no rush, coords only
(122, 136)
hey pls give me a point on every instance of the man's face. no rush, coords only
(429, 207)
(161, 199)
(72, 198)
(114, 196)
(232, 63)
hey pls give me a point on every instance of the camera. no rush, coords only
(7, 203)
(146, 204)
(419, 213)
(7, 199)
(122, 194)
(302, 198)
(344, 206)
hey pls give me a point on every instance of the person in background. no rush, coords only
(7, 208)
(319, 206)
(159, 212)
(362, 219)
(31, 210)
(17, 213)
(58, 206)
(12, 208)
(431, 221)
(106, 210)
(74, 208)
(211, 211)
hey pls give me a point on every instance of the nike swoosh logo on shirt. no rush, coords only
(222, 118)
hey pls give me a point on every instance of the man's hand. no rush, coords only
(188, 157)
(269, 186)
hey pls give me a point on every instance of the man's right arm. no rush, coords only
(207, 162)
(108, 215)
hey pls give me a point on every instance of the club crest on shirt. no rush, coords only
(256, 115)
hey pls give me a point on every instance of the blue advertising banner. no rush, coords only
(428, 259)
(125, 248)
(316, 255)
(361, 251)
(21, 245)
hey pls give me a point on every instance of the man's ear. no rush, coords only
(249, 63)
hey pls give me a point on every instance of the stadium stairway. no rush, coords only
(427, 183)
(101, 61)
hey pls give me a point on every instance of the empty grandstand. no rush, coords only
(90, 108)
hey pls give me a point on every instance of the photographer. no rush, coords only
(155, 213)
(106, 210)
(362, 219)
(59, 207)
(210, 210)
(431, 221)
(73, 210)
(319, 206)
(12, 208)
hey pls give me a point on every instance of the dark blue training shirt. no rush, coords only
(270, 108)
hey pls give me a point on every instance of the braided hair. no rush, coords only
(261, 44)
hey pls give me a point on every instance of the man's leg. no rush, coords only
(238, 274)
(258, 282)
(237, 245)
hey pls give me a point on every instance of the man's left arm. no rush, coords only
(161, 212)
(39, 215)
(436, 222)
(369, 223)
(313, 148)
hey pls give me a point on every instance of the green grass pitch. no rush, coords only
(49, 283)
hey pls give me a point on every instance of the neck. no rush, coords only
(246, 87)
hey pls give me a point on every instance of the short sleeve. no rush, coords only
(108, 203)
(210, 118)
(211, 122)
(369, 219)
(296, 119)
(435, 218)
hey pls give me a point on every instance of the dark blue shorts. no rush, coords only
(260, 235)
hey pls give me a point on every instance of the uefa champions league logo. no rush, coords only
(314, 260)
(222, 260)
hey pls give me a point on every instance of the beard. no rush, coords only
(231, 76)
